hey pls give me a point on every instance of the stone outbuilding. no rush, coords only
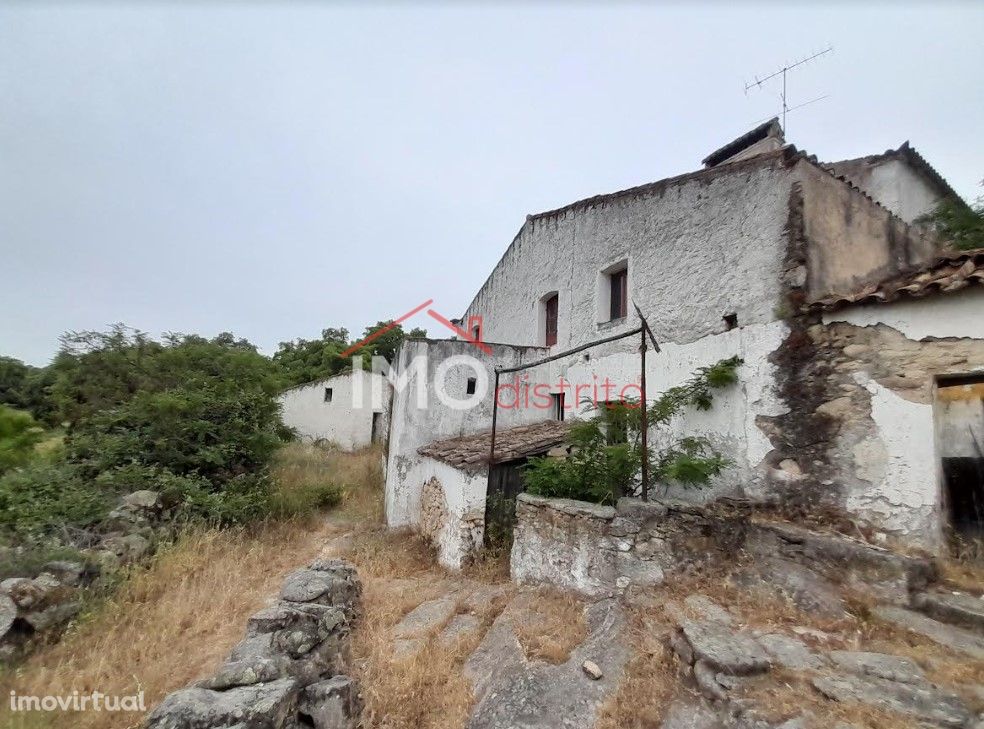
(349, 410)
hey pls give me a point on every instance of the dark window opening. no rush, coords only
(475, 324)
(964, 480)
(328, 394)
(470, 386)
(377, 434)
(619, 294)
(550, 306)
(558, 405)
(730, 321)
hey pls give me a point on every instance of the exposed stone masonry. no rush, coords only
(291, 668)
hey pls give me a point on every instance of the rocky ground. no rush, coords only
(36, 607)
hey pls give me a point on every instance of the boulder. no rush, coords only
(8, 613)
(331, 704)
(808, 590)
(144, 500)
(879, 665)
(66, 572)
(707, 683)
(52, 616)
(245, 673)
(261, 706)
(426, 617)
(128, 548)
(790, 652)
(460, 626)
(957, 639)
(22, 591)
(725, 651)
(924, 703)
(952, 607)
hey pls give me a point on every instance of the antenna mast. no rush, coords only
(782, 72)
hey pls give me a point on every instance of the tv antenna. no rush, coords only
(782, 72)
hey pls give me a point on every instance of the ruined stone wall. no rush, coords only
(604, 550)
(861, 437)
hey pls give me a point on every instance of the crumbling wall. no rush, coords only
(603, 550)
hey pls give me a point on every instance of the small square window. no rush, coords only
(730, 321)
(328, 394)
(470, 386)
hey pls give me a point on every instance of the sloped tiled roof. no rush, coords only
(471, 452)
(951, 272)
(908, 153)
(747, 139)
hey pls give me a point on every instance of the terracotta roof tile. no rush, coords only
(471, 452)
(951, 272)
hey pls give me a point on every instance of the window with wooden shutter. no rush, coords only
(619, 290)
(550, 306)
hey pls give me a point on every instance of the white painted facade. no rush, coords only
(357, 410)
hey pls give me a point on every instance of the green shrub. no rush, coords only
(605, 452)
(19, 435)
(44, 499)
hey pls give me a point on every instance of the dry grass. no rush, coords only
(650, 681)
(168, 625)
(427, 690)
(555, 628)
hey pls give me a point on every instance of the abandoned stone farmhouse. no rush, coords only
(862, 340)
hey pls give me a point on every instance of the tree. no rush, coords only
(308, 360)
(606, 451)
(958, 223)
(387, 344)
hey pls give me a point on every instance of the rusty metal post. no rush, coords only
(495, 411)
(644, 414)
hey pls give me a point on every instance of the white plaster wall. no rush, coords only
(900, 189)
(697, 249)
(731, 424)
(959, 314)
(414, 426)
(347, 419)
(900, 464)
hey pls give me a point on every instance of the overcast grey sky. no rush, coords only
(273, 169)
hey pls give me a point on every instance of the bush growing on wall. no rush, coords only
(606, 451)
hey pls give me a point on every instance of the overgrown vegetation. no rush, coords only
(19, 434)
(606, 451)
(307, 360)
(957, 223)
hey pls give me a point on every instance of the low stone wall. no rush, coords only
(290, 669)
(604, 550)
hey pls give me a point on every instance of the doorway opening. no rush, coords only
(377, 435)
(960, 430)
